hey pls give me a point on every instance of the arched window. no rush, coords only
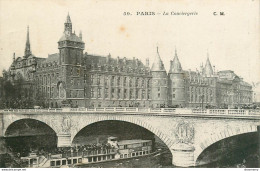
(130, 82)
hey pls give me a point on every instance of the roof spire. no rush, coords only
(208, 71)
(175, 64)
(27, 51)
(68, 18)
(158, 64)
(27, 41)
(68, 25)
(207, 54)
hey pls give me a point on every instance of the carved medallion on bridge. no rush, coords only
(184, 133)
(62, 125)
(66, 124)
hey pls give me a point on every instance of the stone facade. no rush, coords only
(256, 93)
(77, 79)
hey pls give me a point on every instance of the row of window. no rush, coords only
(200, 97)
(114, 93)
(202, 80)
(117, 80)
(120, 93)
(46, 91)
(25, 62)
(201, 90)
(235, 99)
(118, 69)
(140, 153)
(47, 79)
(50, 64)
(135, 145)
(54, 163)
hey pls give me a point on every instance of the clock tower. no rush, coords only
(70, 46)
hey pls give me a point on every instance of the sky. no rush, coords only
(231, 40)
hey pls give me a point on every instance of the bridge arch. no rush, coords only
(12, 120)
(168, 142)
(25, 134)
(24, 119)
(232, 131)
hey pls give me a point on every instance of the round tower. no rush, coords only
(159, 83)
(176, 84)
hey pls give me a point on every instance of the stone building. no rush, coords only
(256, 93)
(77, 79)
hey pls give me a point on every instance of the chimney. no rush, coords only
(108, 57)
(134, 62)
(147, 62)
(14, 56)
(80, 35)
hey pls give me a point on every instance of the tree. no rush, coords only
(16, 94)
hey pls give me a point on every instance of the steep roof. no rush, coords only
(208, 71)
(175, 64)
(158, 64)
(53, 57)
(108, 60)
(71, 37)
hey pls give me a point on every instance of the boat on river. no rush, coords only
(117, 150)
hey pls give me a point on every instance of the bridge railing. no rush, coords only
(133, 110)
(254, 112)
(217, 111)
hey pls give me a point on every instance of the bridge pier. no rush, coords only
(64, 140)
(183, 155)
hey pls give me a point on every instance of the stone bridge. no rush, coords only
(186, 132)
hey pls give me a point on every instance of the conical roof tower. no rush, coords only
(159, 83)
(175, 64)
(158, 64)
